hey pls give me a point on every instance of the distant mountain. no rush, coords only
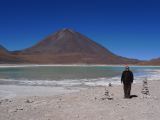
(155, 61)
(69, 47)
(6, 57)
(3, 49)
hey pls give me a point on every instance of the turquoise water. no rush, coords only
(72, 75)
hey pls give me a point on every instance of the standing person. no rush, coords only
(127, 80)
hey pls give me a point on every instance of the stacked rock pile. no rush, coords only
(107, 94)
(145, 89)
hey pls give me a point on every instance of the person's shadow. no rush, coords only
(132, 96)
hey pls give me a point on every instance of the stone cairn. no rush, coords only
(107, 94)
(145, 89)
(110, 85)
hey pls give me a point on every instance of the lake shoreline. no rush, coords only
(86, 104)
(70, 65)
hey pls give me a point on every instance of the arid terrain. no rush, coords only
(87, 104)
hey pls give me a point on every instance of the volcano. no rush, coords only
(70, 47)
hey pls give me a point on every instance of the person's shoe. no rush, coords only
(127, 97)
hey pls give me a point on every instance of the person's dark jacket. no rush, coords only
(127, 77)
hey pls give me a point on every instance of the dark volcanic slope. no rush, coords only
(68, 46)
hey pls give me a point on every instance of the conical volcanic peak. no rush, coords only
(67, 41)
(67, 30)
(67, 46)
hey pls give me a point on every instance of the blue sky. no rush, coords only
(130, 28)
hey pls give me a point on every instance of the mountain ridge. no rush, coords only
(7, 57)
(67, 46)
(155, 61)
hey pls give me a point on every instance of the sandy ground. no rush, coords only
(83, 105)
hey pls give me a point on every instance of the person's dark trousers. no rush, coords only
(127, 90)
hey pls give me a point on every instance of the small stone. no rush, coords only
(110, 85)
(15, 111)
(29, 101)
(103, 98)
(110, 98)
(19, 109)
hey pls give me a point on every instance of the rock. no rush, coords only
(103, 98)
(29, 101)
(145, 89)
(110, 85)
(19, 109)
(107, 95)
